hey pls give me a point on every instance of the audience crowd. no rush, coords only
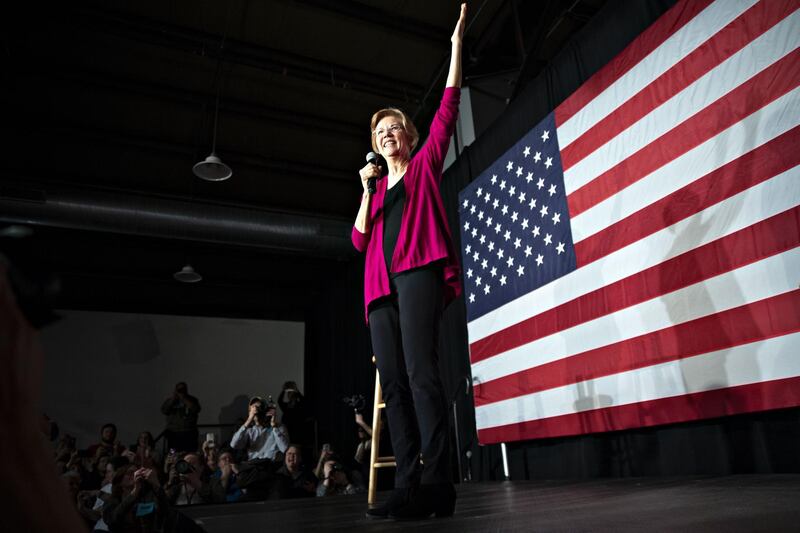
(118, 487)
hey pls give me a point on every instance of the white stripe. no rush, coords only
(766, 278)
(756, 362)
(762, 52)
(759, 128)
(697, 31)
(739, 211)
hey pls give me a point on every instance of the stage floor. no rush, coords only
(733, 503)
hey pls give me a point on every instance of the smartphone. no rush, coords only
(210, 437)
(326, 448)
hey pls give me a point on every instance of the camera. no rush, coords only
(356, 401)
(182, 467)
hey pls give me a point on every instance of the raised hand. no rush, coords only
(458, 33)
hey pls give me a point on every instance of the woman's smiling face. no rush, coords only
(391, 137)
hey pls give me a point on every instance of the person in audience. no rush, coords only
(108, 441)
(181, 410)
(325, 454)
(137, 503)
(210, 458)
(185, 485)
(262, 435)
(364, 445)
(295, 481)
(145, 451)
(114, 464)
(292, 404)
(224, 487)
(335, 481)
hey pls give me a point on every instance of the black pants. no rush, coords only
(405, 334)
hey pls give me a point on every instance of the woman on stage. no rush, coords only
(411, 273)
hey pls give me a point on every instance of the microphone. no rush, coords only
(372, 157)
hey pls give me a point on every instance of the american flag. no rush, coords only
(633, 260)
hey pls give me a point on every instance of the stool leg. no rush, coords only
(376, 436)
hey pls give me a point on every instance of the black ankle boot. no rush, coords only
(438, 499)
(398, 498)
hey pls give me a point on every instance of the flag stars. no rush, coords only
(532, 203)
(542, 211)
(548, 162)
(510, 261)
(528, 251)
(560, 248)
(519, 171)
(520, 270)
(552, 190)
(487, 198)
(503, 185)
(507, 235)
(502, 280)
(537, 156)
(528, 178)
(474, 232)
(504, 210)
(539, 260)
(540, 183)
(472, 210)
(512, 191)
(510, 166)
(476, 256)
(483, 239)
(514, 216)
(500, 253)
(545, 135)
(556, 218)
(468, 249)
(466, 226)
(524, 223)
(484, 264)
(517, 243)
(488, 222)
(480, 215)
(522, 197)
(548, 239)
(478, 281)
(536, 231)
(495, 203)
(472, 297)
(497, 228)
(469, 273)
(493, 271)
(527, 151)
(491, 246)
(480, 192)
(486, 289)
(465, 204)
(494, 179)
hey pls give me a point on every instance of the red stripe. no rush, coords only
(775, 394)
(771, 317)
(763, 239)
(650, 39)
(768, 85)
(748, 26)
(768, 160)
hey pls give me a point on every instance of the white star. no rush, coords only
(466, 204)
(472, 298)
(491, 246)
(507, 235)
(474, 232)
(552, 189)
(528, 251)
(548, 162)
(486, 289)
(484, 264)
(527, 151)
(510, 262)
(483, 239)
(494, 179)
(556, 218)
(520, 270)
(488, 222)
(472, 210)
(519, 171)
(493, 271)
(466, 226)
(522, 197)
(540, 183)
(524, 223)
(548, 239)
(469, 273)
(487, 198)
(500, 253)
(543, 211)
(505, 210)
(480, 192)
(512, 191)
(514, 216)
(510, 166)
(529, 177)
(535, 231)
(537, 156)
(502, 185)
(468, 249)
(478, 281)
(476, 256)
(480, 215)
(495, 203)
(539, 260)
(545, 135)
(560, 248)
(497, 228)
(502, 280)
(517, 243)
(532, 203)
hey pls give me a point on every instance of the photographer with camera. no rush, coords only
(181, 410)
(137, 503)
(335, 481)
(292, 404)
(185, 485)
(262, 435)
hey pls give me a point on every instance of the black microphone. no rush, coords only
(372, 157)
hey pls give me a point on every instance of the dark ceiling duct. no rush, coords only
(176, 219)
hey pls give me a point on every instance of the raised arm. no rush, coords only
(454, 74)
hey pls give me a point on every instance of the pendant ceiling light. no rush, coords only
(212, 168)
(187, 275)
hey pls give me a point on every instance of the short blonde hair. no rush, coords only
(408, 126)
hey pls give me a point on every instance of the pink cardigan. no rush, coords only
(424, 234)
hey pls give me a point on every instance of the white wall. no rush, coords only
(119, 367)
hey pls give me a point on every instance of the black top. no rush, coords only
(393, 203)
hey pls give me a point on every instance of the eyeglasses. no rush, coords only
(394, 128)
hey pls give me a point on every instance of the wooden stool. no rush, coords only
(375, 461)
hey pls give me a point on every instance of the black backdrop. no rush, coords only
(338, 349)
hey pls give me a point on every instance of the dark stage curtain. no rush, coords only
(338, 348)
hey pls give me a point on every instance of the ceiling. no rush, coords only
(110, 103)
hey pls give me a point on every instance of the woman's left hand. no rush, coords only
(458, 33)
